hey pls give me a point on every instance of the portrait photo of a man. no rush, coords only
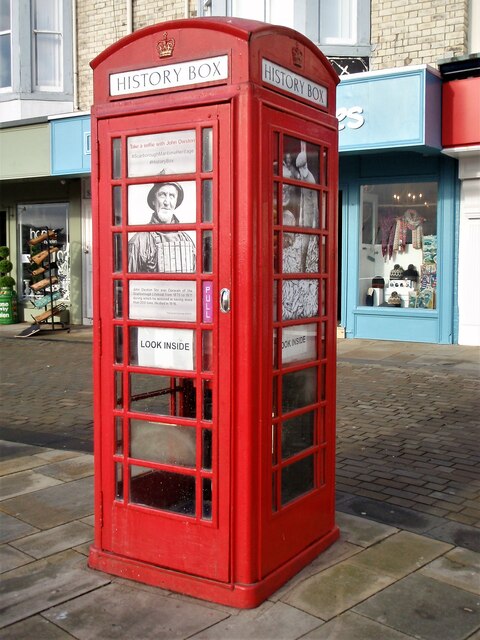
(160, 251)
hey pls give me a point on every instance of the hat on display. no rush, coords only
(156, 187)
(395, 300)
(378, 282)
(411, 273)
(397, 273)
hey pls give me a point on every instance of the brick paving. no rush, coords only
(407, 431)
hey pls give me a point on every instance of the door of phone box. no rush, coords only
(214, 196)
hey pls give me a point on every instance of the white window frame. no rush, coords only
(3, 33)
(37, 6)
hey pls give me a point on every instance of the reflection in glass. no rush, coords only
(275, 300)
(276, 163)
(116, 158)
(323, 297)
(118, 344)
(117, 298)
(118, 435)
(207, 400)
(118, 390)
(275, 203)
(162, 395)
(162, 490)
(165, 443)
(118, 481)
(206, 499)
(117, 206)
(207, 150)
(298, 434)
(207, 201)
(299, 389)
(207, 350)
(299, 299)
(323, 255)
(207, 251)
(207, 449)
(117, 252)
(297, 479)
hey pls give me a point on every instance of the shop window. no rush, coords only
(341, 27)
(398, 246)
(33, 220)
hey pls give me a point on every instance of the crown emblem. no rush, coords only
(297, 56)
(166, 46)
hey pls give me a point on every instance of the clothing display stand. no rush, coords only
(44, 264)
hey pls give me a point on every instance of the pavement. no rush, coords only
(407, 564)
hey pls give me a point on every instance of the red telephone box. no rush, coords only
(215, 185)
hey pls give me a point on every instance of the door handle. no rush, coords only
(225, 300)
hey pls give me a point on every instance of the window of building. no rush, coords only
(36, 54)
(5, 45)
(339, 28)
(398, 245)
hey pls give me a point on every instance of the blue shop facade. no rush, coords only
(398, 209)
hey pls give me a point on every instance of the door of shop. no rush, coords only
(165, 393)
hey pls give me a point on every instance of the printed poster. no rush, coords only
(163, 300)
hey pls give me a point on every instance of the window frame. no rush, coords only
(23, 82)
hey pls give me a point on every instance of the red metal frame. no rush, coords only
(246, 550)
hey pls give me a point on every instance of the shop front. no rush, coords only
(399, 195)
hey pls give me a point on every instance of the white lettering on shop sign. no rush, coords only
(169, 76)
(353, 116)
(287, 80)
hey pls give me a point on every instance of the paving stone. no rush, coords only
(400, 554)
(14, 465)
(17, 484)
(269, 621)
(11, 558)
(360, 531)
(44, 583)
(336, 589)
(436, 611)
(12, 449)
(72, 469)
(36, 627)
(55, 455)
(352, 626)
(12, 528)
(459, 567)
(461, 535)
(51, 507)
(46, 543)
(115, 611)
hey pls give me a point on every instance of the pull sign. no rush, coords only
(225, 300)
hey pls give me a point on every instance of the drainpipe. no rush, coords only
(75, 54)
(187, 12)
(129, 16)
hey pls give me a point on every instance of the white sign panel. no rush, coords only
(283, 78)
(163, 300)
(166, 348)
(170, 76)
(299, 343)
(161, 153)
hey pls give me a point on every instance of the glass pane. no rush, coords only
(207, 406)
(299, 299)
(297, 479)
(275, 397)
(276, 252)
(275, 349)
(162, 203)
(274, 492)
(324, 255)
(274, 444)
(5, 61)
(324, 213)
(5, 18)
(162, 348)
(207, 201)
(276, 187)
(165, 443)
(322, 431)
(118, 435)
(207, 449)
(158, 252)
(323, 340)
(207, 251)
(275, 300)
(207, 350)
(300, 253)
(298, 434)
(323, 382)
(117, 252)
(119, 481)
(299, 343)
(206, 499)
(276, 153)
(207, 150)
(117, 206)
(116, 158)
(47, 15)
(162, 395)
(301, 160)
(48, 60)
(118, 345)
(308, 208)
(323, 297)
(338, 22)
(160, 154)
(162, 490)
(117, 298)
(398, 252)
(325, 167)
(299, 389)
(118, 390)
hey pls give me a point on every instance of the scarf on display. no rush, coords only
(387, 227)
(409, 221)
